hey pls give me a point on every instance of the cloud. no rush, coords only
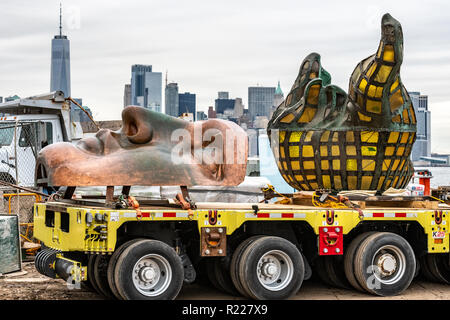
(211, 46)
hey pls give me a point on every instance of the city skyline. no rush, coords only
(258, 53)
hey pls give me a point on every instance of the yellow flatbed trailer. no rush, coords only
(260, 251)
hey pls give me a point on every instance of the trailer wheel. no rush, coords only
(211, 273)
(331, 271)
(149, 270)
(385, 264)
(112, 265)
(425, 271)
(101, 276)
(90, 273)
(271, 268)
(349, 259)
(201, 268)
(320, 270)
(439, 265)
(218, 270)
(235, 262)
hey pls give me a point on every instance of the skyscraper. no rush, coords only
(211, 113)
(277, 99)
(186, 103)
(172, 100)
(279, 96)
(238, 108)
(60, 62)
(422, 146)
(223, 102)
(201, 115)
(78, 115)
(127, 95)
(146, 87)
(260, 101)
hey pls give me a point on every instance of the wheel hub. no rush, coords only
(270, 269)
(387, 264)
(148, 274)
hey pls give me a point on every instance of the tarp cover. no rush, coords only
(10, 258)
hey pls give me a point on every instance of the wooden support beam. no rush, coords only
(109, 194)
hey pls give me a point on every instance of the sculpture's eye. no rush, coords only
(135, 127)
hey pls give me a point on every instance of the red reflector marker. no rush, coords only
(169, 214)
(378, 214)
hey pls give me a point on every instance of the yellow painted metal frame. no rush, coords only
(78, 272)
(82, 237)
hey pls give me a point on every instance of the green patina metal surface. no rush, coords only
(10, 258)
(324, 138)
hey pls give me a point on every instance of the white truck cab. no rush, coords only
(26, 126)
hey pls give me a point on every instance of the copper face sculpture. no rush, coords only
(323, 138)
(151, 148)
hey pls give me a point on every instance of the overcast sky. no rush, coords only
(219, 45)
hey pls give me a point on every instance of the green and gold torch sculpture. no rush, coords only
(324, 138)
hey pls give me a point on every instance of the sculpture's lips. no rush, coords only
(104, 142)
(91, 145)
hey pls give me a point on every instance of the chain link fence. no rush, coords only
(20, 143)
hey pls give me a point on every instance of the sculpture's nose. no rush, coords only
(135, 125)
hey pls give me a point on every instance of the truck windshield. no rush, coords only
(6, 133)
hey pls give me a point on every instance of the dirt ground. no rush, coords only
(30, 285)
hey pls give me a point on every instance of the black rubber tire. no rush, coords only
(124, 270)
(418, 269)
(90, 273)
(349, 259)
(101, 277)
(211, 273)
(235, 261)
(202, 277)
(221, 270)
(334, 266)
(425, 271)
(363, 262)
(248, 266)
(112, 265)
(439, 266)
(320, 269)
